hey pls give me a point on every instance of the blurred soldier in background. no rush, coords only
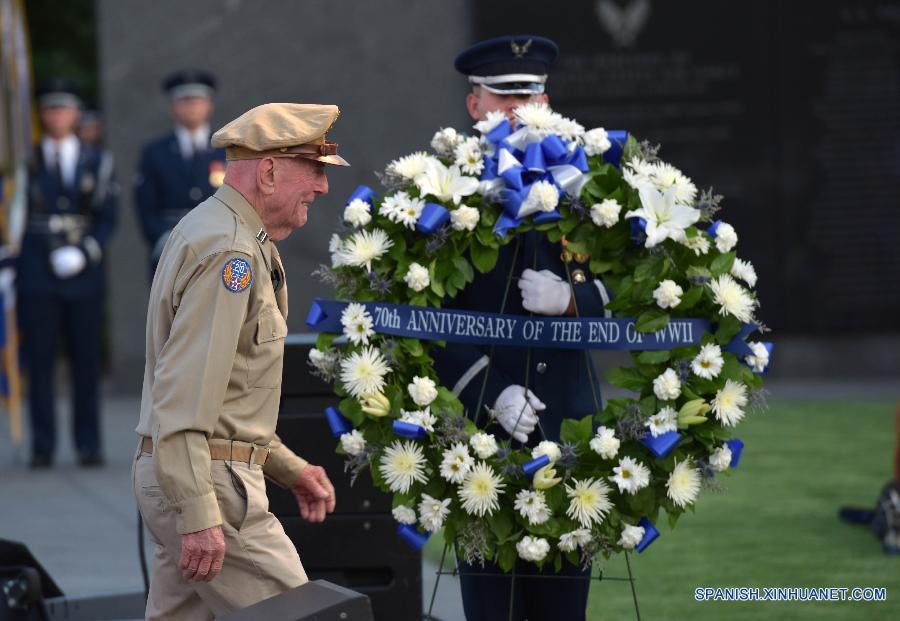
(179, 170)
(60, 277)
(90, 128)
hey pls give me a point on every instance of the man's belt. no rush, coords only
(56, 224)
(225, 450)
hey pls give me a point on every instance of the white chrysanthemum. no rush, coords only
(392, 205)
(491, 120)
(537, 116)
(456, 463)
(631, 536)
(542, 197)
(578, 538)
(548, 448)
(759, 359)
(532, 506)
(605, 443)
(417, 277)
(589, 501)
(480, 490)
(445, 183)
(596, 141)
(363, 247)
(410, 166)
(638, 173)
(464, 218)
(403, 464)
(708, 363)
(668, 294)
(630, 475)
(745, 271)
(683, 485)
(336, 248)
(667, 386)
(726, 237)
(484, 444)
(533, 549)
(606, 213)
(732, 298)
(353, 442)
(664, 421)
(423, 390)
(363, 371)
(357, 213)
(569, 129)
(423, 418)
(729, 403)
(404, 514)
(445, 140)
(698, 243)
(469, 156)
(666, 176)
(432, 512)
(409, 212)
(665, 217)
(357, 323)
(720, 459)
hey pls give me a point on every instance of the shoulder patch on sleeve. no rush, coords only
(237, 275)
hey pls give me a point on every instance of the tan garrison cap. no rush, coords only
(281, 130)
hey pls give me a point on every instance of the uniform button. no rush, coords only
(196, 194)
(273, 332)
(582, 257)
(541, 367)
(578, 277)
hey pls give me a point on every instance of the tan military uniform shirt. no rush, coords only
(215, 346)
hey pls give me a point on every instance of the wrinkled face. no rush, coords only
(191, 112)
(481, 101)
(298, 182)
(59, 121)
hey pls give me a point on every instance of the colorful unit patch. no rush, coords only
(237, 275)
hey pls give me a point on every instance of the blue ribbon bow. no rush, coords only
(338, 423)
(535, 464)
(650, 535)
(409, 430)
(413, 537)
(737, 448)
(363, 193)
(662, 444)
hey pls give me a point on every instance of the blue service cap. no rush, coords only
(511, 65)
(189, 83)
(58, 92)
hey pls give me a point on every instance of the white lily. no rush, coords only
(445, 183)
(665, 218)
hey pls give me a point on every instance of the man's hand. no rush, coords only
(202, 554)
(314, 493)
(516, 410)
(545, 293)
(67, 261)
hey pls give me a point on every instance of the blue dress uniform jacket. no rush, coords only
(561, 378)
(81, 214)
(168, 186)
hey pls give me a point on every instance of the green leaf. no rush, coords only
(576, 431)
(630, 379)
(501, 525)
(464, 268)
(722, 264)
(690, 299)
(484, 258)
(648, 268)
(728, 328)
(652, 320)
(599, 267)
(506, 556)
(654, 357)
(351, 408)
(325, 339)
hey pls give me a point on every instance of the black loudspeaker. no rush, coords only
(24, 584)
(357, 546)
(314, 601)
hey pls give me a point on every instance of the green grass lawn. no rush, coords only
(775, 525)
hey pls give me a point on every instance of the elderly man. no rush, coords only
(215, 343)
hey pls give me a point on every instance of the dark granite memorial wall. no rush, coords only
(789, 109)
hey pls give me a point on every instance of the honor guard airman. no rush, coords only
(504, 73)
(60, 277)
(180, 169)
(216, 326)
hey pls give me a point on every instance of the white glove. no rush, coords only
(67, 261)
(544, 292)
(516, 411)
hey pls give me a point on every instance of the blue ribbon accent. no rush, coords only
(534, 158)
(409, 430)
(338, 423)
(618, 138)
(499, 133)
(662, 444)
(638, 227)
(459, 326)
(535, 464)
(713, 228)
(738, 345)
(413, 537)
(432, 218)
(737, 449)
(363, 193)
(650, 535)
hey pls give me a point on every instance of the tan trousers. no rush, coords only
(260, 560)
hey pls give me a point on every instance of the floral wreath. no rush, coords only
(648, 234)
